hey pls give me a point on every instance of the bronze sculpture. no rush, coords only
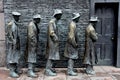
(52, 50)
(90, 39)
(13, 37)
(71, 51)
(32, 33)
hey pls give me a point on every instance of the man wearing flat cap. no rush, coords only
(13, 38)
(52, 52)
(32, 37)
(71, 51)
(90, 57)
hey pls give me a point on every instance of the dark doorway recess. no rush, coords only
(107, 28)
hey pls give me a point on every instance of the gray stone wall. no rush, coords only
(45, 8)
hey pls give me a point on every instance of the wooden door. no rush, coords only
(107, 32)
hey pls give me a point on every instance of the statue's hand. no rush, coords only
(55, 38)
(76, 45)
(14, 41)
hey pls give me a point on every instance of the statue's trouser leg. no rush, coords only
(89, 69)
(30, 70)
(49, 64)
(70, 67)
(18, 69)
(12, 68)
(70, 64)
(49, 71)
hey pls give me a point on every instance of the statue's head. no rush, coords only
(37, 18)
(16, 16)
(93, 19)
(76, 17)
(57, 14)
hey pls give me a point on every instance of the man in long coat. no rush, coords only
(90, 57)
(52, 52)
(13, 39)
(71, 51)
(33, 32)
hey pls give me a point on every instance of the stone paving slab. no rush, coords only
(102, 73)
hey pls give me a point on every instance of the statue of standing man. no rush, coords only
(52, 52)
(33, 39)
(13, 39)
(71, 48)
(90, 38)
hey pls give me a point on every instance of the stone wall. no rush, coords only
(45, 7)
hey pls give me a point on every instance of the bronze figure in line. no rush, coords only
(13, 39)
(71, 48)
(90, 39)
(32, 39)
(52, 52)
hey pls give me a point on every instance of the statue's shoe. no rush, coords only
(72, 73)
(53, 70)
(18, 71)
(75, 70)
(91, 72)
(36, 69)
(31, 74)
(13, 74)
(49, 72)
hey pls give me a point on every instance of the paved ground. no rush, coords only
(102, 73)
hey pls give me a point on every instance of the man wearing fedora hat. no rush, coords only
(32, 34)
(71, 51)
(52, 49)
(90, 57)
(13, 38)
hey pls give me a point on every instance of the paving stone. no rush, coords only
(116, 76)
(111, 69)
(98, 69)
(101, 78)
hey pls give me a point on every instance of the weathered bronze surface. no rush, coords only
(32, 33)
(71, 48)
(13, 38)
(90, 57)
(52, 52)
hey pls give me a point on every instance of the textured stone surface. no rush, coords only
(61, 75)
(2, 27)
(45, 7)
(1, 6)
(2, 53)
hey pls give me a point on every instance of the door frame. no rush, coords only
(92, 12)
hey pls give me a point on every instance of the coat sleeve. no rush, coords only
(53, 36)
(71, 36)
(31, 34)
(9, 33)
(93, 35)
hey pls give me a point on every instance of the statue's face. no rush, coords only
(58, 16)
(77, 19)
(37, 20)
(16, 18)
(94, 23)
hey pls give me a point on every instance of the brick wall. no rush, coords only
(45, 7)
